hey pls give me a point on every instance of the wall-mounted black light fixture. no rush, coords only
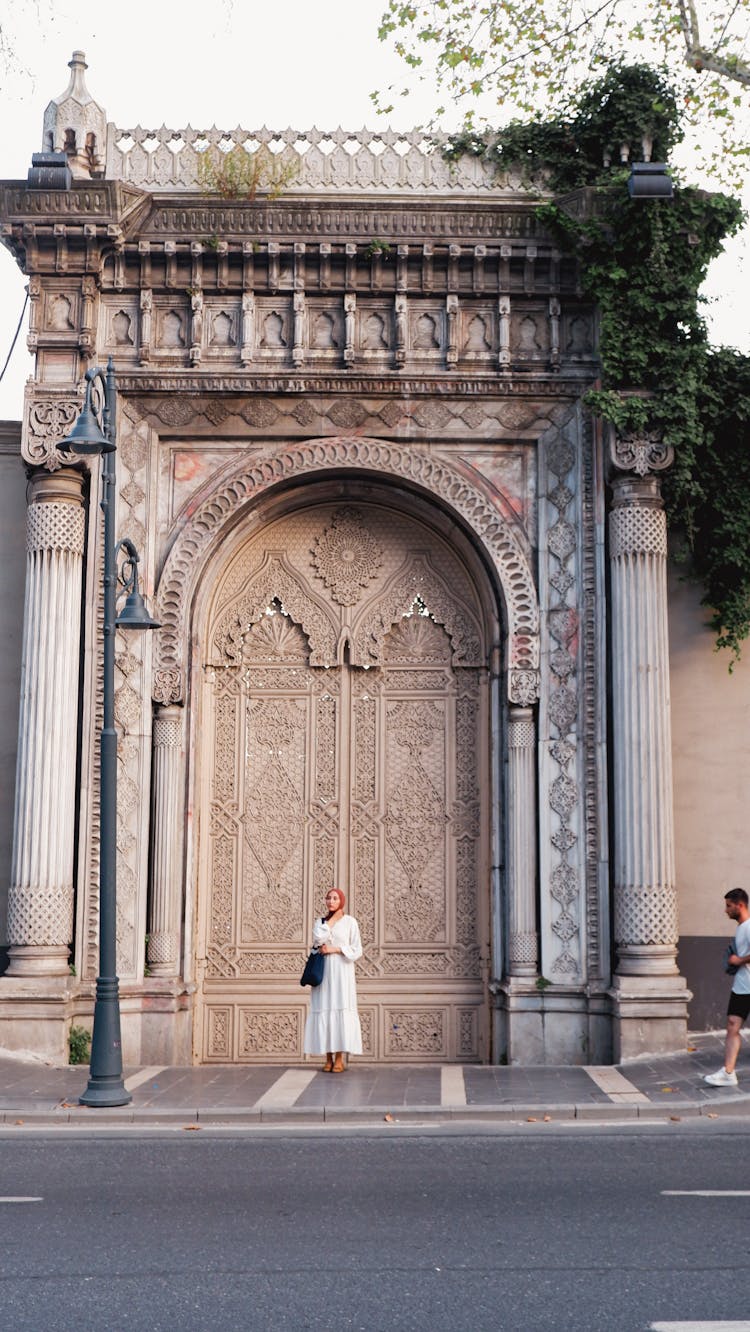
(649, 180)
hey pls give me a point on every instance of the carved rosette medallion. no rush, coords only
(347, 557)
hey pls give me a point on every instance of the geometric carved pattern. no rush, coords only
(269, 1033)
(55, 526)
(637, 530)
(40, 916)
(646, 916)
(415, 1031)
(562, 709)
(523, 946)
(218, 511)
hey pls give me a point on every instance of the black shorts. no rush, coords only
(739, 1005)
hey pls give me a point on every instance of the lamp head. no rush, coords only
(86, 435)
(135, 615)
(650, 180)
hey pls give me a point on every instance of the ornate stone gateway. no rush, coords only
(355, 456)
(344, 716)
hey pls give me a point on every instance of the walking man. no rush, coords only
(736, 907)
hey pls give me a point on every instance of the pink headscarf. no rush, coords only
(342, 897)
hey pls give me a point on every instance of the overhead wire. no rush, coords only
(15, 337)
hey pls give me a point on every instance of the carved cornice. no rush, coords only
(538, 385)
(351, 220)
(240, 485)
(106, 200)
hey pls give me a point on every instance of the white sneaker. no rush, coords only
(721, 1079)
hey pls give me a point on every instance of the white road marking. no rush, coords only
(706, 1193)
(14, 1200)
(452, 1085)
(286, 1089)
(136, 1079)
(723, 1326)
(611, 1081)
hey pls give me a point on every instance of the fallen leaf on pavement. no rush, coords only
(712, 1115)
(665, 1089)
(692, 1049)
(188, 1128)
(531, 1119)
(675, 1118)
(20, 1121)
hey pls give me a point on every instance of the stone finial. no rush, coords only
(76, 125)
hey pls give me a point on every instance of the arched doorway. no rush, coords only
(343, 738)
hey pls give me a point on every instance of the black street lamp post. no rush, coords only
(105, 1085)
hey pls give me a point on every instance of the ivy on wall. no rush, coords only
(643, 263)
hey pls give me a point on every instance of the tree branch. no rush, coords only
(699, 58)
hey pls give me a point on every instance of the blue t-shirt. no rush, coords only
(742, 948)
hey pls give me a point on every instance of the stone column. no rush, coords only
(645, 898)
(650, 999)
(163, 954)
(40, 901)
(523, 950)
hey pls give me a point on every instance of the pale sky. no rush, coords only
(284, 63)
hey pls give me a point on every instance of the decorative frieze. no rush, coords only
(563, 907)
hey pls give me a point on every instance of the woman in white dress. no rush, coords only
(332, 1026)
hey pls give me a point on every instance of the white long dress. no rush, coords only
(333, 1021)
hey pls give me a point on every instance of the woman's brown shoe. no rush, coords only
(339, 1065)
(328, 1065)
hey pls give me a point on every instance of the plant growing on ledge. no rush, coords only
(239, 174)
(381, 247)
(643, 264)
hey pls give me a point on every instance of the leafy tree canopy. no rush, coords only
(520, 55)
(642, 264)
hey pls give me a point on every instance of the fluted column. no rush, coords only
(163, 953)
(645, 904)
(40, 901)
(524, 937)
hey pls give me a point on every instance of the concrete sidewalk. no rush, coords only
(667, 1087)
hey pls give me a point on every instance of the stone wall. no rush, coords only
(710, 727)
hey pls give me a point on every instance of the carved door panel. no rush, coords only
(344, 743)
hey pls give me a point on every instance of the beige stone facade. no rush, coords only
(372, 517)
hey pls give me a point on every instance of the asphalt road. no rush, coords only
(558, 1232)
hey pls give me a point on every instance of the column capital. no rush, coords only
(638, 451)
